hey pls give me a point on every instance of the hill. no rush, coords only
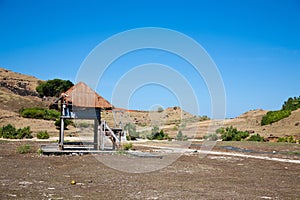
(18, 91)
(250, 121)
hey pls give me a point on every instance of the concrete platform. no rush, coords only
(72, 149)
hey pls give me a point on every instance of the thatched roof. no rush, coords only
(81, 95)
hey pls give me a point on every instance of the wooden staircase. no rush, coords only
(114, 134)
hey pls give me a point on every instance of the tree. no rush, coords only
(232, 134)
(291, 104)
(181, 137)
(131, 129)
(157, 135)
(53, 87)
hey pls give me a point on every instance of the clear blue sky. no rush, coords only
(255, 44)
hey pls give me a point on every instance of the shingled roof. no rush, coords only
(81, 95)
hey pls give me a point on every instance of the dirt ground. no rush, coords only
(32, 176)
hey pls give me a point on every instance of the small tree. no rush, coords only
(180, 136)
(53, 87)
(131, 130)
(157, 135)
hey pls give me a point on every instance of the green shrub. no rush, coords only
(40, 113)
(220, 131)
(24, 149)
(157, 135)
(127, 146)
(43, 135)
(288, 139)
(10, 132)
(39, 151)
(211, 137)
(256, 138)
(291, 104)
(274, 116)
(24, 133)
(181, 137)
(232, 134)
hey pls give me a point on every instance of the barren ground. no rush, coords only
(31, 176)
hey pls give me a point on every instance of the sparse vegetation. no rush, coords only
(211, 137)
(39, 151)
(256, 138)
(84, 125)
(43, 135)
(274, 116)
(127, 146)
(26, 148)
(39, 113)
(232, 134)
(10, 132)
(181, 137)
(53, 87)
(288, 139)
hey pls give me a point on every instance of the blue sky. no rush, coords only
(255, 45)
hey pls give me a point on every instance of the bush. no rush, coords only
(274, 116)
(40, 113)
(127, 146)
(10, 132)
(43, 135)
(53, 87)
(288, 139)
(131, 130)
(232, 134)
(220, 131)
(256, 138)
(24, 133)
(157, 135)
(181, 137)
(291, 104)
(24, 149)
(211, 137)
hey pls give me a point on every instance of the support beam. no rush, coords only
(96, 143)
(61, 133)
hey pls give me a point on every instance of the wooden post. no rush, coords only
(102, 132)
(62, 126)
(61, 135)
(96, 145)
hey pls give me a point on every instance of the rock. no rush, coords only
(24, 183)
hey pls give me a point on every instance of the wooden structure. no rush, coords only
(81, 102)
